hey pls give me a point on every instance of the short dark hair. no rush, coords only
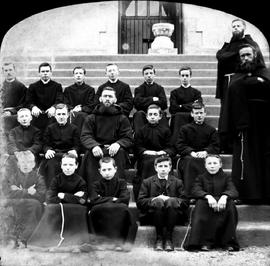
(213, 155)
(7, 64)
(79, 67)
(107, 160)
(247, 46)
(109, 89)
(185, 68)
(154, 106)
(44, 64)
(148, 67)
(197, 105)
(163, 158)
(61, 106)
(70, 155)
(239, 19)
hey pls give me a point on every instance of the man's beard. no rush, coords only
(237, 35)
(248, 67)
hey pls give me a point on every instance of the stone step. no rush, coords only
(99, 64)
(164, 72)
(134, 81)
(246, 213)
(111, 58)
(248, 234)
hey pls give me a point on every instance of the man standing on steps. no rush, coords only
(228, 60)
(123, 92)
(42, 95)
(245, 108)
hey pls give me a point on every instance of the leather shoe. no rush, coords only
(158, 245)
(205, 248)
(169, 245)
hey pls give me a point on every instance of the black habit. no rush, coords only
(64, 222)
(244, 124)
(109, 218)
(101, 128)
(123, 95)
(214, 229)
(194, 137)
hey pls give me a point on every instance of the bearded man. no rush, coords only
(246, 104)
(228, 60)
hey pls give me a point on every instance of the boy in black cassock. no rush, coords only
(181, 100)
(24, 137)
(195, 140)
(122, 90)
(25, 191)
(146, 94)
(59, 137)
(161, 200)
(64, 221)
(42, 96)
(109, 215)
(79, 97)
(215, 217)
(151, 141)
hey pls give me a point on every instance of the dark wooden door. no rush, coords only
(136, 20)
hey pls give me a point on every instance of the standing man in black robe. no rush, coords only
(106, 132)
(79, 97)
(246, 104)
(146, 94)
(228, 60)
(13, 94)
(42, 96)
(122, 90)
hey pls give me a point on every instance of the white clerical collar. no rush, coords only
(113, 81)
(161, 178)
(9, 81)
(45, 82)
(185, 86)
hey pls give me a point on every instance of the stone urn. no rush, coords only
(162, 43)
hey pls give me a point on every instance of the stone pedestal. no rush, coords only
(162, 43)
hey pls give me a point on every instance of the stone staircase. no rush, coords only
(254, 221)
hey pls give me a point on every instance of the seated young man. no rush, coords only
(181, 100)
(59, 137)
(64, 221)
(24, 137)
(146, 94)
(25, 191)
(106, 132)
(194, 141)
(161, 199)
(79, 97)
(151, 141)
(110, 215)
(215, 217)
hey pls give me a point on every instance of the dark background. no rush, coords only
(255, 12)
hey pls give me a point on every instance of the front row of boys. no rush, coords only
(161, 200)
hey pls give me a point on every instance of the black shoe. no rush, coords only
(169, 246)
(205, 248)
(158, 245)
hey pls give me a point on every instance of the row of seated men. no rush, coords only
(68, 214)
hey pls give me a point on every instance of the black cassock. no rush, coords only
(245, 125)
(216, 229)
(109, 218)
